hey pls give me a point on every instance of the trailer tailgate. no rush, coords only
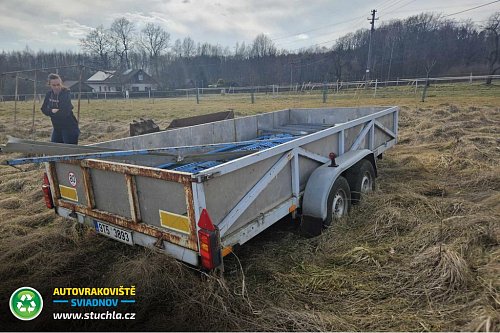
(155, 202)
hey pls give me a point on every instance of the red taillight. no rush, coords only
(209, 242)
(46, 192)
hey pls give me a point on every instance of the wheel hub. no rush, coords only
(366, 184)
(339, 206)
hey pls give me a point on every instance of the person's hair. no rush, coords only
(53, 76)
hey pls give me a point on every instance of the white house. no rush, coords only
(131, 80)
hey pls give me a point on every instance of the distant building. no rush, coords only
(131, 80)
(74, 86)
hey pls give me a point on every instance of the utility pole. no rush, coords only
(292, 63)
(34, 107)
(368, 62)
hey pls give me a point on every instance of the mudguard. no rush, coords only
(314, 204)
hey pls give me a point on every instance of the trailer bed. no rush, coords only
(247, 173)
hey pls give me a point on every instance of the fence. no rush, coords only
(274, 89)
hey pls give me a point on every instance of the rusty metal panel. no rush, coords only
(189, 243)
(54, 181)
(202, 119)
(71, 176)
(110, 192)
(155, 195)
(135, 170)
(143, 192)
(188, 190)
(132, 198)
(89, 191)
(158, 195)
(143, 127)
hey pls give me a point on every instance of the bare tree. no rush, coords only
(122, 34)
(155, 40)
(188, 48)
(428, 68)
(98, 42)
(241, 51)
(493, 36)
(177, 48)
(263, 46)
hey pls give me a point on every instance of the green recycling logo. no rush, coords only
(26, 303)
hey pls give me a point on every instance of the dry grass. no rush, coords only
(421, 254)
(440, 273)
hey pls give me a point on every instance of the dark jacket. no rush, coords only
(64, 118)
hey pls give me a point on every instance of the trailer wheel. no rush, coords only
(339, 201)
(361, 178)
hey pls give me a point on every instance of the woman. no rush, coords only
(57, 105)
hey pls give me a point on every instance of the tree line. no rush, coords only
(420, 45)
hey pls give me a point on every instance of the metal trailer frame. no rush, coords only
(195, 188)
(145, 235)
(289, 151)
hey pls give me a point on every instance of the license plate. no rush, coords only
(113, 232)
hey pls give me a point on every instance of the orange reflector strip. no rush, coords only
(68, 193)
(292, 208)
(227, 250)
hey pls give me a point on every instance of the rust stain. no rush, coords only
(188, 192)
(133, 200)
(136, 170)
(130, 224)
(54, 181)
(87, 184)
(130, 172)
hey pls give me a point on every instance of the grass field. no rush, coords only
(420, 254)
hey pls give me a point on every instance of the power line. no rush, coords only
(466, 10)
(406, 4)
(328, 25)
(312, 62)
(383, 4)
(343, 31)
(315, 29)
(330, 40)
(430, 9)
(333, 40)
(387, 6)
(391, 5)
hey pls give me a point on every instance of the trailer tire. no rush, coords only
(361, 178)
(339, 201)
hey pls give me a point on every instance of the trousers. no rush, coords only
(65, 136)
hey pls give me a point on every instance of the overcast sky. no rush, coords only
(292, 24)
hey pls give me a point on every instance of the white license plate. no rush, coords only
(113, 232)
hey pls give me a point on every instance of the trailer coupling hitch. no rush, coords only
(332, 157)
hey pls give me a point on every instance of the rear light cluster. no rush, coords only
(210, 251)
(47, 195)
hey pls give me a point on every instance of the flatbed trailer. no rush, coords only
(196, 192)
